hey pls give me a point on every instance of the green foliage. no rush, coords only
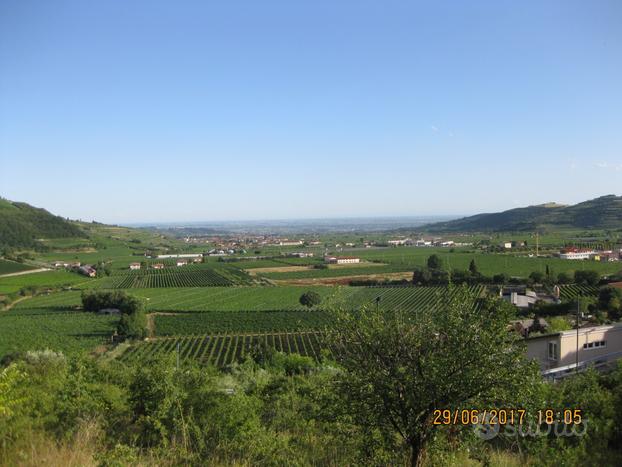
(598, 213)
(610, 300)
(95, 300)
(21, 225)
(399, 367)
(434, 262)
(586, 277)
(133, 326)
(310, 299)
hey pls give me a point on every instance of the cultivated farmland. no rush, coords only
(222, 350)
(69, 332)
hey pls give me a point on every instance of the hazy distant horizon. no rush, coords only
(296, 226)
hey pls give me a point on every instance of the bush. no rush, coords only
(586, 277)
(310, 299)
(133, 326)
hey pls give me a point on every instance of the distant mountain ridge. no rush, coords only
(22, 224)
(604, 212)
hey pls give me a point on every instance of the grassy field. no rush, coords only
(8, 267)
(46, 278)
(69, 332)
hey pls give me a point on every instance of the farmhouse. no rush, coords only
(181, 262)
(134, 266)
(341, 259)
(506, 245)
(158, 266)
(87, 270)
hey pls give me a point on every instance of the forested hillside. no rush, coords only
(22, 224)
(599, 213)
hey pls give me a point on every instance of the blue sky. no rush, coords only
(198, 110)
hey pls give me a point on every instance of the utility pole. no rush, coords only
(577, 350)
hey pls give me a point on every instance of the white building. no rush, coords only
(290, 243)
(342, 260)
(399, 242)
(188, 255)
(577, 254)
(181, 262)
(134, 266)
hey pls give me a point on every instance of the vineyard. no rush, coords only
(259, 298)
(69, 332)
(222, 350)
(185, 276)
(571, 291)
(239, 321)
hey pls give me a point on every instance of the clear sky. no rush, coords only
(130, 111)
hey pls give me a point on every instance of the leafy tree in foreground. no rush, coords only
(401, 366)
(310, 299)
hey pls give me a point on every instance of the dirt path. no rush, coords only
(21, 273)
(11, 305)
(150, 325)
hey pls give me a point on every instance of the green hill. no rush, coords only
(22, 224)
(600, 213)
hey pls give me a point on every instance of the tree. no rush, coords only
(586, 277)
(133, 326)
(473, 268)
(536, 277)
(310, 299)
(501, 279)
(422, 276)
(399, 367)
(610, 300)
(563, 278)
(435, 262)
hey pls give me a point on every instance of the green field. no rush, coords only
(69, 332)
(46, 278)
(198, 298)
(408, 258)
(184, 276)
(239, 321)
(222, 350)
(252, 298)
(8, 267)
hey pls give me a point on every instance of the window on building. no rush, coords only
(595, 345)
(552, 350)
